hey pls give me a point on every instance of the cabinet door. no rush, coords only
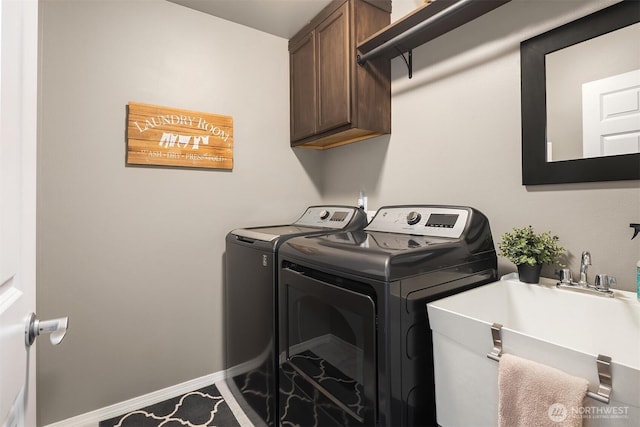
(303, 101)
(334, 82)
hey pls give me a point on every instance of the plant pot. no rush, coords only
(529, 273)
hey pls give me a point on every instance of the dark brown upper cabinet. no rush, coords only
(335, 101)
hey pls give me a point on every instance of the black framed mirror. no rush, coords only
(537, 165)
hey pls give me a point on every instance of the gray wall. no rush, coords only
(134, 255)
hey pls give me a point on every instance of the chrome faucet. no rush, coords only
(585, 262)
(601, 286)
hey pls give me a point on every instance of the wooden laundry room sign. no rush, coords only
(164, 136)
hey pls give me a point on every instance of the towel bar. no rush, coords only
(603, 363)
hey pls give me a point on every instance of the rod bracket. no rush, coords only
(408, 61)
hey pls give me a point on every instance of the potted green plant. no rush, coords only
(529, 250)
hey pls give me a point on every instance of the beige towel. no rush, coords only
(535, 395)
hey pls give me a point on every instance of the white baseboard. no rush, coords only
(91, 419)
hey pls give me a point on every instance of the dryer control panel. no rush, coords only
(337, 217)
(421, 220)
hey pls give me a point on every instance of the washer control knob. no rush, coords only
(413, 217)
(324, 214)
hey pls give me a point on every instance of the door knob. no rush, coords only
(56, 327)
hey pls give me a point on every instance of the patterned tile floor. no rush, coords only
(300, 403)
(204, 407)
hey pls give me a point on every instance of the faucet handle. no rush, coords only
(604, 282)
(564, 275)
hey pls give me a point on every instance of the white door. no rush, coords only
(611, 115)
(18, 108)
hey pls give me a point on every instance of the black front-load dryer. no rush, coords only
(251, 304)
(355, 342)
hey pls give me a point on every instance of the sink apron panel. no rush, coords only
(467, 381)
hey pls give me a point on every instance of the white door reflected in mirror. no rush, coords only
(607, 64)
(611, 115)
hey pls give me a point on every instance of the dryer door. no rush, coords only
(328, 343)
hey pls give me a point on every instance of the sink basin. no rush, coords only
(563, 328)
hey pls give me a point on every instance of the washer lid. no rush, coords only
(269, 234)
(315, 219)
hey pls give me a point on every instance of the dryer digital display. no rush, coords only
(441, 220)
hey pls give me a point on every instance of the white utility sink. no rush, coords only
(563, 328)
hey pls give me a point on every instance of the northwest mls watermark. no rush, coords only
(559, 412)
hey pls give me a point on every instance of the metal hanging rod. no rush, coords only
(390, 44)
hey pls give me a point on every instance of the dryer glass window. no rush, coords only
(330, 343)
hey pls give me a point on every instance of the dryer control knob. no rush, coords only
(324, 214)
(413, 217)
